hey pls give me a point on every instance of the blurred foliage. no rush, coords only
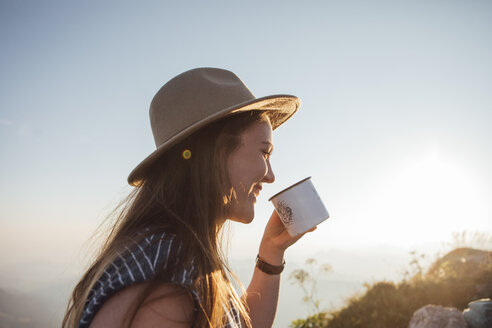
(307, 280)
(453, 280)
(471, 239)
(317, 320)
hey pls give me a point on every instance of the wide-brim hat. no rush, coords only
(196, 98)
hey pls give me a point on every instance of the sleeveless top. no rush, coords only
(138, 263)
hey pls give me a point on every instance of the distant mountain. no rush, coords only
(19, 310)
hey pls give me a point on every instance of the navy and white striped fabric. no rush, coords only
(138, 263)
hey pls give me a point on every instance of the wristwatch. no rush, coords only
(267, 267)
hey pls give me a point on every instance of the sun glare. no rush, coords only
(428, 200)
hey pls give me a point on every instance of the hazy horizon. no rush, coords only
(46, 295)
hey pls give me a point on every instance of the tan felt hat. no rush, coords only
(196, 98)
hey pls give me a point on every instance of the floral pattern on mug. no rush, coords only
(285, 213)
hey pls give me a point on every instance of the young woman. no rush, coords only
(162, 264)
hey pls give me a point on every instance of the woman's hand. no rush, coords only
(276, 240)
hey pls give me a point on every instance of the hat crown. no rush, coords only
(191, 97)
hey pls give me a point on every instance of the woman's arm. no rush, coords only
(262, 292)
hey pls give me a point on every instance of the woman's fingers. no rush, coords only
(276, 234)
(312, 229)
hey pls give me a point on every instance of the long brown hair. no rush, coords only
(190, 198)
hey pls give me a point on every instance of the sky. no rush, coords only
(394, 126)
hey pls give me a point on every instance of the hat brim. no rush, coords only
(286, 104)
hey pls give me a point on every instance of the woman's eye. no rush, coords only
(267, 153)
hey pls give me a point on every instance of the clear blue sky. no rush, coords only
(394, 127)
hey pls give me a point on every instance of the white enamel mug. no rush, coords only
(299, 207)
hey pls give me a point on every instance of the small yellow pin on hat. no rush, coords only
(186, 154)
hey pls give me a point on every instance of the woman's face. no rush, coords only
(249, 167)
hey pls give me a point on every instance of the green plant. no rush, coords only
(317, 320)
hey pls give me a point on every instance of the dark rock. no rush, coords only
(434, 316)
(479, 313)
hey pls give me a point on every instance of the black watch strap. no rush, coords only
(267, 267)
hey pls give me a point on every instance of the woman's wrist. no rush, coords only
(271, 255)
(268, 268)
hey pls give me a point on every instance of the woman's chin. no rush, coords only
(244, 217)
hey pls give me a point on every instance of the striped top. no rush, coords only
(139, 262)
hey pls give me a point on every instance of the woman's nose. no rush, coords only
(269, 177)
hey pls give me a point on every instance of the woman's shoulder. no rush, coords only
(167, 305)
(148, 256)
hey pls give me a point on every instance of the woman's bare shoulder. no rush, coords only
(168, 305)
